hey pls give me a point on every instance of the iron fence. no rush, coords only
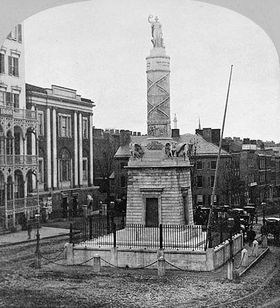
(114, 233)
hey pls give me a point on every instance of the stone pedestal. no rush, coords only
(159, 187)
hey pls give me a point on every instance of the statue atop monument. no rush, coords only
(157, 39)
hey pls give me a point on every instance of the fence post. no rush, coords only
(160, 237)
(96, 264)
(161, 266)
(90, 227)
(71, 233)
(114, 234)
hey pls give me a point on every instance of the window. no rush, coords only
(199, 199)
(41, 123)
(2, 63)
(2, 98)
(262, 178)
(212, 178)
(64, 125)
(199, 181)
(8, 99)
(199, 165)
(65, 166)
(213, 164)
(85, 169)
(13, 66)
(18, 187)
(15, 99)
(16, 34)
(9, 143)
(19, 33)
(123, 181)
(41, 170)
(85, 128)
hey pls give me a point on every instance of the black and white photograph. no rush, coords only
(139, 153)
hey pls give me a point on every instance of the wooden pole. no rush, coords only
(210, 217)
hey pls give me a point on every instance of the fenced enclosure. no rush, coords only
(105, 232)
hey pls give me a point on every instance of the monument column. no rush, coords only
(158, 89)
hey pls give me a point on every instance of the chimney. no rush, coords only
(125, 137)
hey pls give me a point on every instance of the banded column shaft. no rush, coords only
(80, 149)
(158, 93)
(49, 157)
(90, 150)
(76, 170)
(54, 149)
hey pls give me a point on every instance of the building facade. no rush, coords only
(18, 134)
(65, 145)
(259, 169)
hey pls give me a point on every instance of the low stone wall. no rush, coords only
(199, 260)
(222, 252)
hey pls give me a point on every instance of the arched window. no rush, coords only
(2, 190)
(19, 185)
(2, 142)
(10, 140)
(29, 179)
(65, 166)
(10, 188)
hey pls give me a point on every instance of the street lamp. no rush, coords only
(37, 252)
(231, 259)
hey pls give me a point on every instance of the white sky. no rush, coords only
(99, 48)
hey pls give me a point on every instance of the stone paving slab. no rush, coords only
(22, 236)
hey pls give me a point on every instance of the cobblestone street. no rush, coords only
(22, 285)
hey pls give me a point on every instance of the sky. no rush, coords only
(99, 48)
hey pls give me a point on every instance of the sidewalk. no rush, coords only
(251, 259)
(22, 236)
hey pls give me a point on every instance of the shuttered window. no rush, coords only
(13, 66)
(19, 33)
(2, 63)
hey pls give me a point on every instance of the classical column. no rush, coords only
(5, 201)
(49, 148)
(90, 150)
(54, 149)
(80, 150)
(25, 191)
(13, 200)
(76, 172)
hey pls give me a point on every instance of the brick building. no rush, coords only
(105, 145)
(259, 168)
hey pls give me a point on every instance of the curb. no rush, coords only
(254, 262)
(34, 240)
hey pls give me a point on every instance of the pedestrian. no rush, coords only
(29, 229)
(255, 248)
(256, 219)
(251, 234)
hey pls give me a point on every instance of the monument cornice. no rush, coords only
(153, 57)
(158, 70)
